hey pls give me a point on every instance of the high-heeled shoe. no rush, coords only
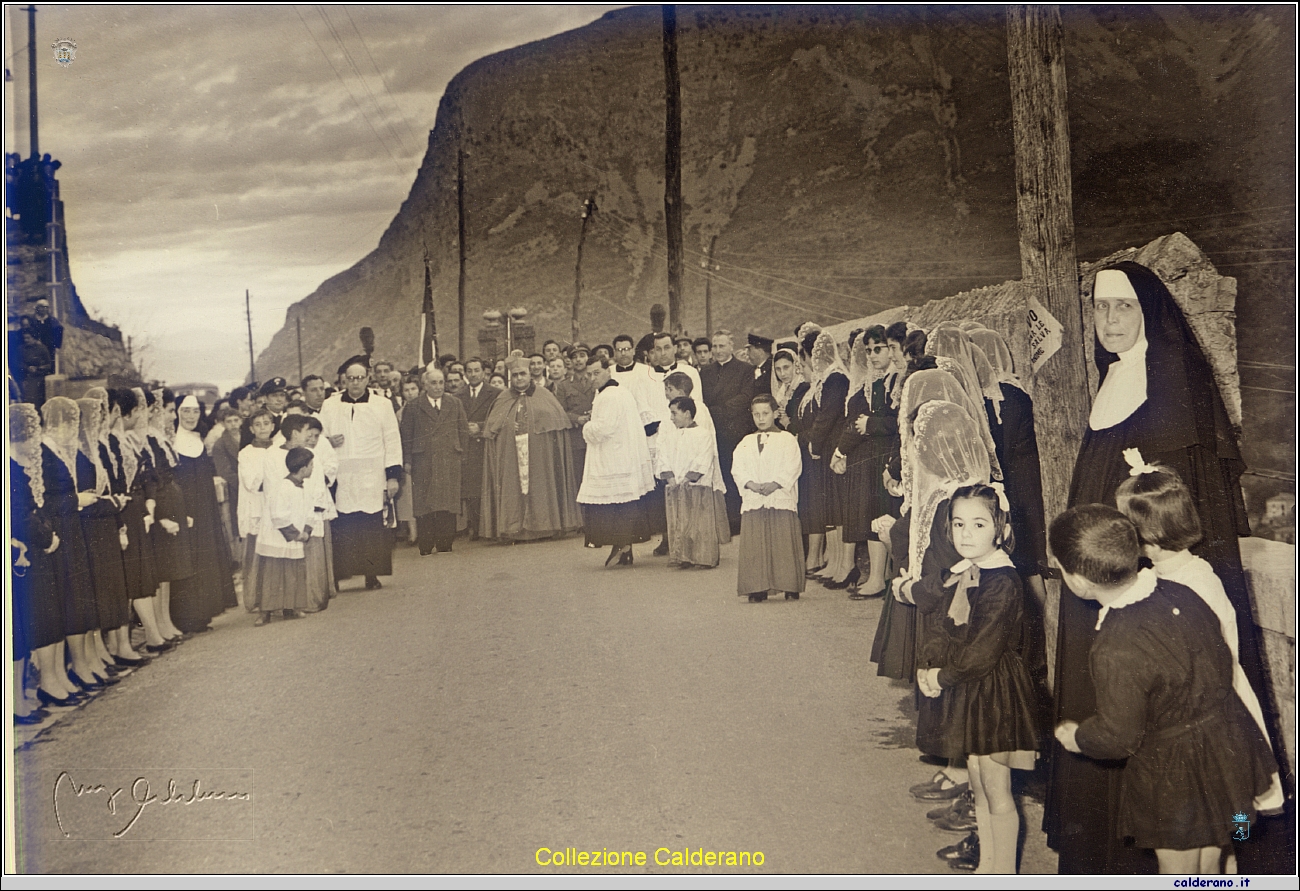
(35, 716)
(66, 702)
(626, 558)
(161, 648)
(128, 662)
(849, 579)
(812, 573)
(615, 553)
(87, 686)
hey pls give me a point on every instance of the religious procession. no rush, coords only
(902, 465)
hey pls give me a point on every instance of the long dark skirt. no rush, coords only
(171, 552)
(771, 552)
(865, 495)
(105, 549)
(815, 510)
(210, 589)
(362, 545)
(894, 649)
(137, 559)
(616, 525)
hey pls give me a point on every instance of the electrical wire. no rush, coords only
(382, 79)
(347, 55)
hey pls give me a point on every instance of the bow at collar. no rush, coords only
(966, 575)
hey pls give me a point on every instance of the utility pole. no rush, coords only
(298, 319)
(673, 168)
(248, 312)
(1049, 267)
(588, 208)
(31, 80)
(708, 288)
(460, 241)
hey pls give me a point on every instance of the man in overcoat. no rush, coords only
(435, 435)
(728, 385)
(477, 398)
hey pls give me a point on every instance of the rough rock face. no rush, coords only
(848, 160)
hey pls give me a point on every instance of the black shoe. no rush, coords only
(625, 559)
(70, 700)
(662, 550)
(372, 583)
(941, 788)
(615, 553)
(125, 662)
(960, 817)
(263, 619)
(849, 580)
(757, 598)
(92, 687)
(791, 595)
(161, 648)
(965, 800)
(963, 856)
(35, 716)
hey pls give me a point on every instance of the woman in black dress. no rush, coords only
(1158, 395)
(142, 571)
(210, 589)
(821, 418)
(868, 440)
(171, 533)
(37, 607)
(113, 459)
(71, 560)
(104, 538)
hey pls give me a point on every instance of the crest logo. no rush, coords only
(65, 51)
(1243, 827)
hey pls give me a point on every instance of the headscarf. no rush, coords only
(988, 379)
(1191, 410)
(137, 441)
(161, 427)
(999, 355)
(947, 457)
(922, 387)
(188, 442)
(826, 357)
(91, 424)
(25, 426)
(62, 426)
(782, 392)
(948, 343)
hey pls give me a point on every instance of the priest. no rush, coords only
(362, 428)
(529, 481)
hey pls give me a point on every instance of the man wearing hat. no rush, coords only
(48, 330)
(530, 484)
(362, 428)
(275, 396)
(760, 356)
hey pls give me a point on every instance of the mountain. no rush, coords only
(845, 159)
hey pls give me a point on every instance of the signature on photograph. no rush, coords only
(126, 804)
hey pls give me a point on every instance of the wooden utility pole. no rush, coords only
(460, 243)
(673, 168)
(31, 80)
(248, 312)
(708, 288)
(1049, 267)
(298, 319)
(588, 208)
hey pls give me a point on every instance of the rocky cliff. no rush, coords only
(846, 160)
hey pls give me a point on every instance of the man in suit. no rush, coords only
(760, 356)
(435, 434)
(728, 385)
(477, 398)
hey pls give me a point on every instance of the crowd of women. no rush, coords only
(902, 465)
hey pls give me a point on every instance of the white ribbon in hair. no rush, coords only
(1137, 464)
(1002, 496)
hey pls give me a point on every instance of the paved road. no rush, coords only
(488, 703)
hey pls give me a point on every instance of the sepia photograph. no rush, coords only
(581, 440)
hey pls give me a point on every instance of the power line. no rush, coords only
(382, 80)
(347, 55)
(360, 110)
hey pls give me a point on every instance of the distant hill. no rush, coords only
(847, 160)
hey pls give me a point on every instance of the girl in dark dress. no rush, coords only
(37, 608)
(869, 439)
(171, 533)
(113, 459)
(71, 561)
(210, 589)
(980, 703)
(142, 517)
(822, 417)
(1158, 395)
(104, 538)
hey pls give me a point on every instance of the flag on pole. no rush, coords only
(428, 324)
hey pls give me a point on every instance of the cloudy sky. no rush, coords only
(207, 150)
